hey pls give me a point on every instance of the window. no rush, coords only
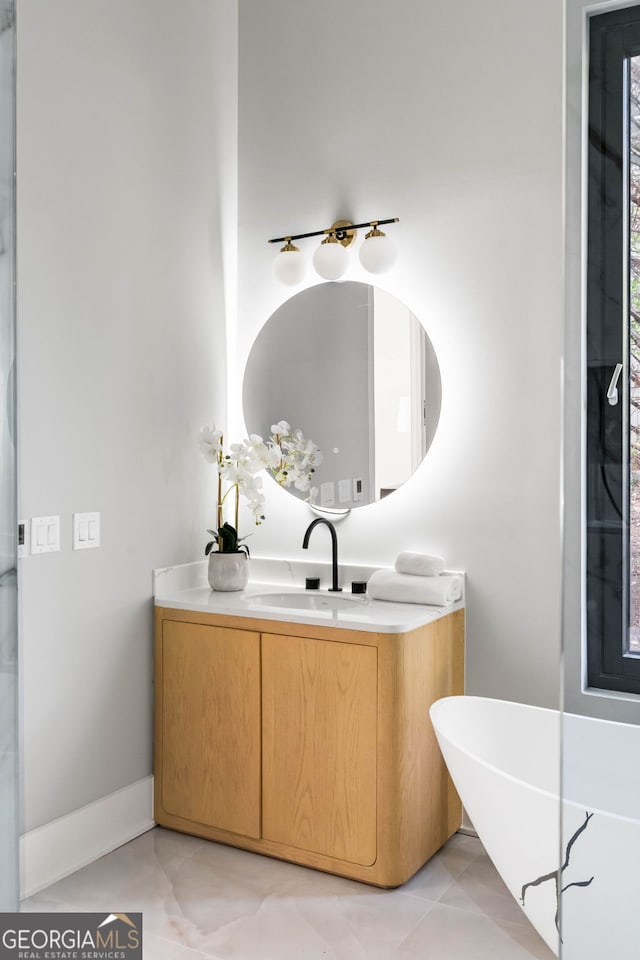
(613, 352)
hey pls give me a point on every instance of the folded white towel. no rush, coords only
(405, 588)
(419, 564)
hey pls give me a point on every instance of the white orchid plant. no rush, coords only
(287, 455)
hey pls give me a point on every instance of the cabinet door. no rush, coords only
(319, 746)
(210, 726)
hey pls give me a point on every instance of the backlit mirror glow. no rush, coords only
(354, 369)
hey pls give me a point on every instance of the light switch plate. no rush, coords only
(45, 534)
(344, 491)
(327, 494)
(86, 531)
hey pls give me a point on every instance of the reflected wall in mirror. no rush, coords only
(353, 368)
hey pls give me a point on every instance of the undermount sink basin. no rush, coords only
(304, 601)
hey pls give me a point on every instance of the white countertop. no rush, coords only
(185, 587)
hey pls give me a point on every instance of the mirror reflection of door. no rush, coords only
(352, 367)
(402, 359)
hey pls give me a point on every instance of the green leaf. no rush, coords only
(227, 540)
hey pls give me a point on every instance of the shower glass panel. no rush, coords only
(599, 878)
(632, 640)
(9, 825)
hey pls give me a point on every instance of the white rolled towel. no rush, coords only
(405, 588)
(419, 564)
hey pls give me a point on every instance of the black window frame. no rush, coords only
(614, 37)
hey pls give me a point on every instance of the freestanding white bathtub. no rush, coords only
(574, 866)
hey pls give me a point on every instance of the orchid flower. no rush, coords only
(287, 455)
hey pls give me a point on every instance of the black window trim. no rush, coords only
(613, 38)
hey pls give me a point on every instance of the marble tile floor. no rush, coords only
(205, 901)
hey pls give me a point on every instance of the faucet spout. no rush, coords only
(334, 548)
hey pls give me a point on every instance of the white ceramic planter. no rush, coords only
(228, 571)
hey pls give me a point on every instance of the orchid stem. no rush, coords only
(220, 485)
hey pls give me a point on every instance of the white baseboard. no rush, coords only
(466, 826)
(468, 832)
(56, 849)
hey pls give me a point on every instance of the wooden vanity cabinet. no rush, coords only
(208, 725)
(319, 746)
(304, 742)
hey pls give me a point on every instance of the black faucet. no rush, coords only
(334, 548)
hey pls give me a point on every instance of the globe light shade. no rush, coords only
(290, 267)
(378, 253)
(330, 260)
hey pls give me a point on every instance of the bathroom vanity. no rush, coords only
(304, 733)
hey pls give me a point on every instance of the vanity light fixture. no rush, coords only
(331, 260)
(378, 253)
(289, 266)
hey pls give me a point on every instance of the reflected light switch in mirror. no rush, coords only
(327, 494)
(344, 491)
(86, 530)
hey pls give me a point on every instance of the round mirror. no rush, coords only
(354, 370)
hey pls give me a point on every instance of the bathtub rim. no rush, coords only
(435, 709)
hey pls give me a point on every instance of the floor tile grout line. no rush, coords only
(417, 896)
(453, 882)
(471, 913)
(432, 904)
(487, 916)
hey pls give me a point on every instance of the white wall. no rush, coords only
(449, 116)
(126, 226)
